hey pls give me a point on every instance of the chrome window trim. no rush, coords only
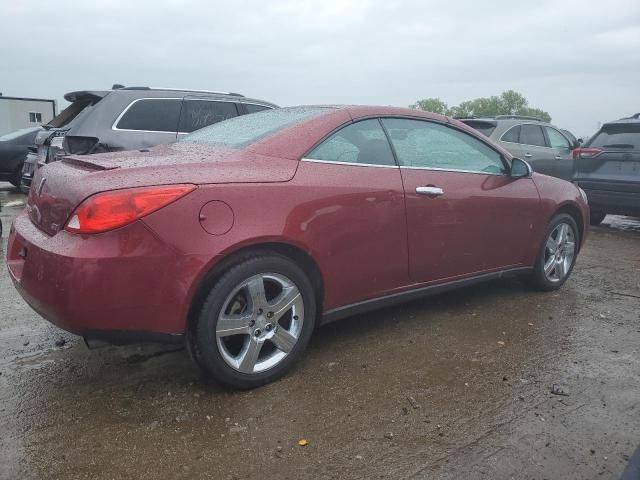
(454, 170)
(115, 123)
(113, 126)
(353, 164)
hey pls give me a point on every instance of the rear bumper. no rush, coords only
(606, 198)
(121, 286)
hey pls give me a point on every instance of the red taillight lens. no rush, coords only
(105, 211)
(586, 152)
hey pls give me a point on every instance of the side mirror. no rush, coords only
(520, 168)
(576, 143)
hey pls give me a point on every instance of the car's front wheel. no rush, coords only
(256, 322)
(558, 253)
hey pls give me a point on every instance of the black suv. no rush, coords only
(129, 119)
(607, 168)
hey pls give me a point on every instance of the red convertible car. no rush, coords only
(245, 235)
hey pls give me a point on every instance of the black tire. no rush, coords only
(203, 346)
(596, 218)
(16, 178)
(538, 279)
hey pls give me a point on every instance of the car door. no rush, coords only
(353, 185)
(199, 112)
(561, 150)
(465, 214)
(535, 149)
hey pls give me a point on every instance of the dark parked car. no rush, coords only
(14, 147)
(243, 236)
(608, 169)
(546, 147)
(129, 119)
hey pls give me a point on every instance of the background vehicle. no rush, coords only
(608, 169)
(14, 147)
(131, 118)
(546, 147)
(238, 238)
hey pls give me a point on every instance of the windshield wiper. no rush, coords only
(619, 145)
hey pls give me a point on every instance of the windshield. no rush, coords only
(626, 136)
(18, 133)
(242, 131)
(71, 112)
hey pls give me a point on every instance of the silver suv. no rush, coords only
(130, 118)
(546, 147)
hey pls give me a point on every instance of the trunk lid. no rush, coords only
(59, 187)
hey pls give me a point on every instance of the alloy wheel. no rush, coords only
(260, 323)
(559, 252)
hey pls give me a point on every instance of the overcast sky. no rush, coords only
(578, 60)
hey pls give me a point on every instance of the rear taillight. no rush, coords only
(105, 211)
(586, 152)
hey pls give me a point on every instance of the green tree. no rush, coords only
(507, 103)
(434, 105)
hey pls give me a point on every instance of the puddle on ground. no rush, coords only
(618, 222)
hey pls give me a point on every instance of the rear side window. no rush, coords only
(431, 145)
(152, 115)
(251, 108)
(361, 142)
(532, 135)
(512, 135)
(197, 114)
(623, 136)
(556, 139)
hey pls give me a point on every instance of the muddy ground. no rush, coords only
(455, 386)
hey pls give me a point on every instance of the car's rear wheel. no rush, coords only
(596, 218)
(558, 253)
(255, 323)
(16, 178)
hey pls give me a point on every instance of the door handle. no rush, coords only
(527, 155)
(558, 157)
(430, 191)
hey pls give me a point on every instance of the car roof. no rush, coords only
(626, 120)
(504, 119)
(157, 92)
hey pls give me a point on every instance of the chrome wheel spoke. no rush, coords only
(248, 357)
(570, 249)
(552, 245)
(289, 298)
(233, 325)
(561, 268)
(549, 266)
(562, 233)
(257, 295)
(283, 340)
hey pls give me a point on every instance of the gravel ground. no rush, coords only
(454, 386)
